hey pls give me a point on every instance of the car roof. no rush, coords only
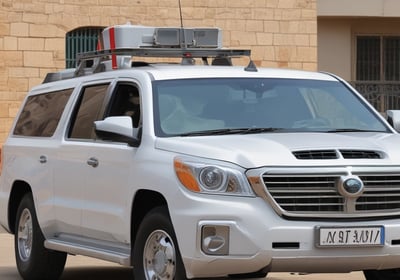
(168, 72)
(178, 71)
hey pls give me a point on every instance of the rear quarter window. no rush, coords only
(41, 114)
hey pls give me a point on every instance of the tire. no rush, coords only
(387, 274)
(34, 261)
(156, 253)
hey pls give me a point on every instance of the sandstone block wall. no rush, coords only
(281, 33)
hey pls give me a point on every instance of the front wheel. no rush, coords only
(155, 253)
(34, 261)
(386, 274)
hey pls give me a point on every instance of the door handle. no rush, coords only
(93, 162)
(42, 159)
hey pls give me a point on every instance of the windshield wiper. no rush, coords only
(261, 130)
(351, 130)
(226, 131)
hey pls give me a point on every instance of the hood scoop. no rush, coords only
(336, 154)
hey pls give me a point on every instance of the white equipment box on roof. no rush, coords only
(137, 36)
(127, 36)
(120, 43)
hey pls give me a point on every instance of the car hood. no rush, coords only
(277, 149)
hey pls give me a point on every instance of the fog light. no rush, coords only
(215, 240)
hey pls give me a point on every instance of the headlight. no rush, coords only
(212, 178)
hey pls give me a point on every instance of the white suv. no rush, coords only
(187, 170)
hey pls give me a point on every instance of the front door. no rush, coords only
(70, 172)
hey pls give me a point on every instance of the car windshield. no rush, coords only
(216, 106)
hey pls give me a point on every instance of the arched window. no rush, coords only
(82, 39)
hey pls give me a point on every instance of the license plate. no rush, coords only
(350, 236)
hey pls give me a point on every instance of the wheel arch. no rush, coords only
(144, 202)
(18, 191)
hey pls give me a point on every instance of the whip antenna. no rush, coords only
(180, 13)
(183, 42)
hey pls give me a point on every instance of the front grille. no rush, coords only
(319, 194)
(381, 193)
(305, 194)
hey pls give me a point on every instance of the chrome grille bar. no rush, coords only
(317, 194)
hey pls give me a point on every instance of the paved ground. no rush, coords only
(89, 269)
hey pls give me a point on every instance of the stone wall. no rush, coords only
(280, 33)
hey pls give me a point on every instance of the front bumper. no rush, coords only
(259, 238)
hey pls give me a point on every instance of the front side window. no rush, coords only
(244, 105)
(125, 101)
(88, 111)
(41, 114)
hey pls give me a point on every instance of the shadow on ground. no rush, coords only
(107, 273)
(88, 273)
(9, 273)
(97, 273)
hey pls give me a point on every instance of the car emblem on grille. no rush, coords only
(351, 186)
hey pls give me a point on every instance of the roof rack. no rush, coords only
(219, 56)
(118, 45)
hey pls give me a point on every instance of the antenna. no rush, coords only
(180, 13)
(183, 42)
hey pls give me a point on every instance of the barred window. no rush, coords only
(80, 40)
(392, 58)
(378, 58)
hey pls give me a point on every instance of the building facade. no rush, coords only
(280, 33)
(361, 43)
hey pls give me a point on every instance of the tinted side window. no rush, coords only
(126, 102)
(90, 104)
(41, 114)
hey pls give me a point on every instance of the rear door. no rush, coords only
(34, 148)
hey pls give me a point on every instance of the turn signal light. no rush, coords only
(185, 176)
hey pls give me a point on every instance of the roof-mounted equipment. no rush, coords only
(120, 44)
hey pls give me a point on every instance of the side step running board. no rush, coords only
(120, 257)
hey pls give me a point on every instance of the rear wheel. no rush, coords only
(34, 261)
(156, 254)
(387, 274)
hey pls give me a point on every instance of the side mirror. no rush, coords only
(393, 117)
(118, 129)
